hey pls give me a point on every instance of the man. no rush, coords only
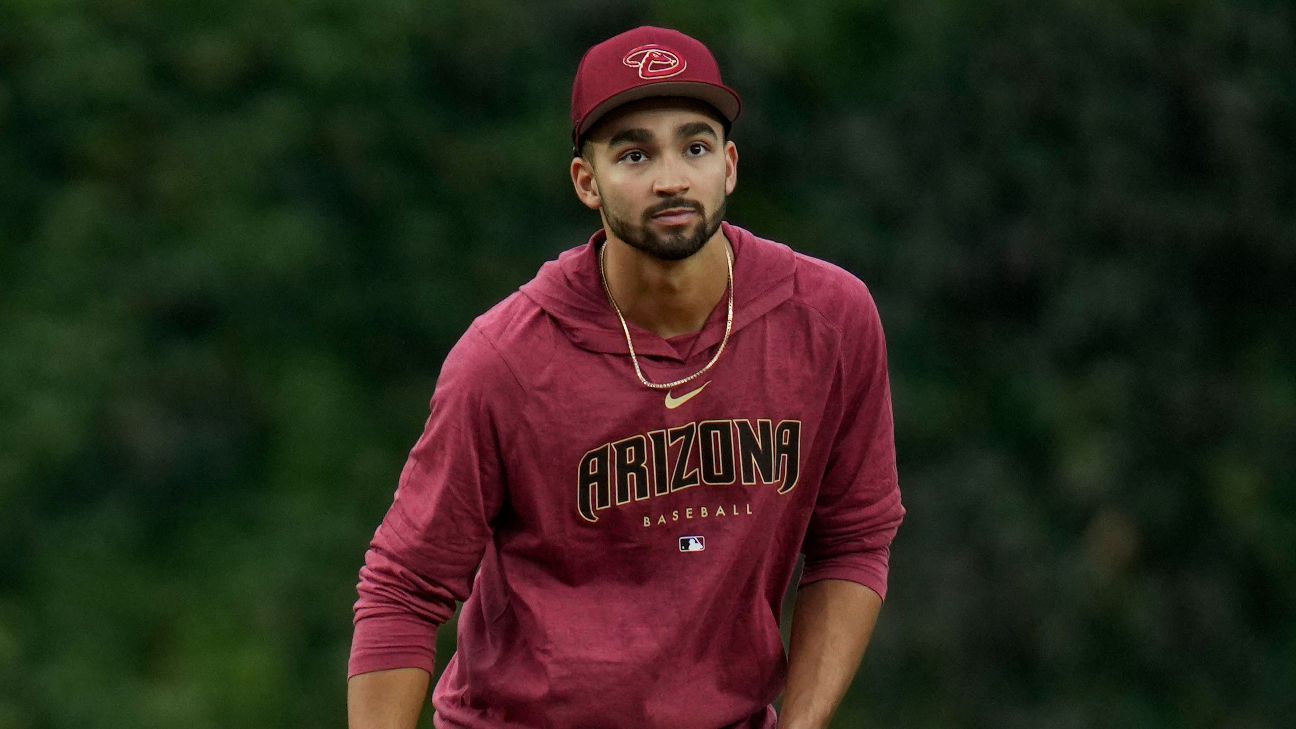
(630, 452)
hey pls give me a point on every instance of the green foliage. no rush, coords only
(236, 241)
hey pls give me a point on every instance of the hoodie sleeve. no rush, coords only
(426, 551)
(858, 510)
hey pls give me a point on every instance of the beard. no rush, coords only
(674, 246)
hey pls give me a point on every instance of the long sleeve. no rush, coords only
(858, 510)
(426, 551)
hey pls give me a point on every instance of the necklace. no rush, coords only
(630, 344)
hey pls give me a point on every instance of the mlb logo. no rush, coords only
(692, 544)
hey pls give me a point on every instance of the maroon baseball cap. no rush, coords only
(642, 63)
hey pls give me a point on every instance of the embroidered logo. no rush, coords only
(674, 402)
(655, 62)
(692, 544)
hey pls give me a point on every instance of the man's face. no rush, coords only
(659, 172)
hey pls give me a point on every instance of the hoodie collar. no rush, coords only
(570, 289)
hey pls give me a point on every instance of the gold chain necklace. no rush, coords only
(630, 344)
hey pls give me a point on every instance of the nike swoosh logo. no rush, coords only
(674, 402)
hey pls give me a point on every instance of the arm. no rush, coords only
(831, 626)
(386, 699)
(848, 542)
(424, 555)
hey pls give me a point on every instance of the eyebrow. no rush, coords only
(695, 129)
(632, 136)
(643, 136)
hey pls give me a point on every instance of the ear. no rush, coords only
(582, 175)
(731, 167)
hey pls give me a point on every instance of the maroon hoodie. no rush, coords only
(623, 561)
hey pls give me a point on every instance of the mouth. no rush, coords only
(673, 217)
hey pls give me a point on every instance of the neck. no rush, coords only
(668, 298)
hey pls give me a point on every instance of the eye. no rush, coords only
(697, 149)
(634, 156)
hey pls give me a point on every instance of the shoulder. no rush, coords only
(828, 298)
(838, 296)
(480, 360)
(842, 303)
(501, 346)
(510, 323)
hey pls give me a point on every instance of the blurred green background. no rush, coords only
(237, 239)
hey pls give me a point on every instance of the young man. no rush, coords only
(625, 457)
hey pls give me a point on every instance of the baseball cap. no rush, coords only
(642, 63)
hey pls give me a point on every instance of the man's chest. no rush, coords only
(604, 451)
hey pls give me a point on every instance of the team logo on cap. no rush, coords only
(654, 62)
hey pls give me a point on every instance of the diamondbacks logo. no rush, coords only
(655, 62)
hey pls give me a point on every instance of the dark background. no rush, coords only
(237, 239)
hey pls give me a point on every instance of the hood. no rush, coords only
(570, 290)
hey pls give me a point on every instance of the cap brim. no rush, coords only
(723, 99)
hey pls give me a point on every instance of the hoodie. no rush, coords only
(622, 552)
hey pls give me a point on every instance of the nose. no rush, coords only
(671, 179)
